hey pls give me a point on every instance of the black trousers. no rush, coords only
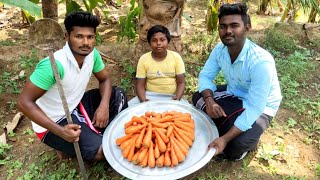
(232, 106)
(89, 141)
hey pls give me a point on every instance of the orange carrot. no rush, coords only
(187, 114)
(151, 159)
(151, 119)
(172, 113)
(138, 120)
(144, 162)
(161, 144)
(160, 161)
(189, 134)
(159, 125)
(179, 138)
(125, 144)
(183, 118)
(127, 124)
(165, 119)
(156, 150)
(132, 148)
(147, 138)
(183, 127)
(178, 114)
(161, 129)
(148, 114)
(174, 159)
(183, 123)
(134, 118)
(164, 114)
(156, 115)
(169, 131)
(163, 136)
(182, 147)
(140, 137)
(135, 157)
(122, 139)
(134, 129)
(183, 136)
(167, 159)
(142, 155)
(126, 150)
(180, 155)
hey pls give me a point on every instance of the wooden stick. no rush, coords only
(67, 112)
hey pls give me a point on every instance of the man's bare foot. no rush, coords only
(99, 156)
(62, 156)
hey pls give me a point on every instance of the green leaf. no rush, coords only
(26, 5)
(92, 4)
(73, 6)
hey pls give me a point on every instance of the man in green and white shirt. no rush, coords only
(76, 61)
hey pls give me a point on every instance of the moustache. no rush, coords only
(226, 36)
(84, 47)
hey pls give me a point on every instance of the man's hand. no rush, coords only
(219, 143)
(71, 132)
(213, 109)
(175, 98)
(101, 118)
(144, 100)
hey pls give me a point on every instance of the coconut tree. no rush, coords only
(263, 7)
(212, 16)
(311, 6)
(50, 9)
(163, 12)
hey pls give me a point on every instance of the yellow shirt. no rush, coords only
(161, 75)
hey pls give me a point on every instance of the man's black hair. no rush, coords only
(236, 8)
(82, 19)
(156, 29)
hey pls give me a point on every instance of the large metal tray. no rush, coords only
(198, 156)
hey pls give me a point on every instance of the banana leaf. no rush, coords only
(25, 5)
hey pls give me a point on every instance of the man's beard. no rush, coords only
(228, 43)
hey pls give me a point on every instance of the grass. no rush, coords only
(12, 80)
(7, 43)
(295, 72)
(284, 44)
(130, 71)
(317, 167)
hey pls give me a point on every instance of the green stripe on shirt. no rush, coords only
(43, 75)
(98, 64)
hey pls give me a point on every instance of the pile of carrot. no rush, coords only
(157, 139)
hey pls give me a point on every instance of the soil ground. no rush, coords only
(296, 160)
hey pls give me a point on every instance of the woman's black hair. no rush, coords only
(156, 29)
(237, 8)
(82, 19)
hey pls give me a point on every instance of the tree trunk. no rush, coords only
(286, 11)
(264, 6)
(160, 12)
(50, 9)
(312, 15)
(212, 16)
(279, 3)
